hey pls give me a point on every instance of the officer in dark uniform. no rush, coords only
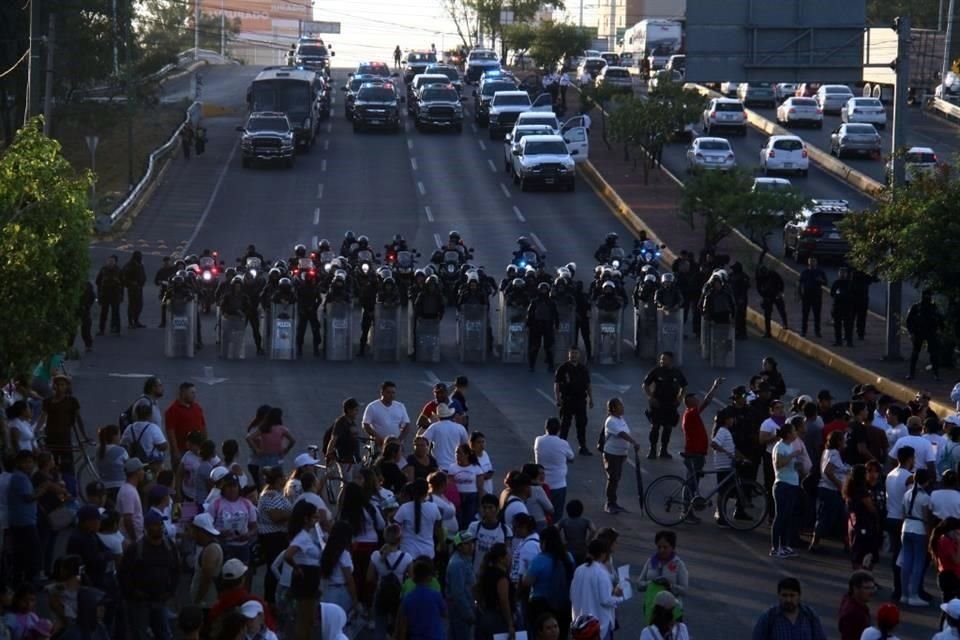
(667, 295)
(860, 288)
(110, 294)
(770, 286)
(810, 286)
(161, 280)
(428, 305)
(134, 279)
(739, 283)
(665, 387)
(602, 254)
(472, 292)
(543, 319)
(843, 305)
(367, 297)
(571, 385)
(924, 323)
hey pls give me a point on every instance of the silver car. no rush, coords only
(800, 111)
(711, 154)
(617, 78)
(855, 138)
(833, 97)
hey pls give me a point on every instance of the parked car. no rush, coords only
(855, 138)
(725, 113)
(782, 154)
(757, 93)
(800, 111)
(710, 154)
(832, 97)
(865, 110)
(729, 89)
(815, 232)
(918, 161)
(511, 141)
(613, 59)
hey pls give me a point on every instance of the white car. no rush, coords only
(784, 153)
(724, 113)
(505, 108)
(512, 141)
(729, 89)
(800, 111)
(918, 161)
(543, 160)
(711, 154)
(832, 97)
(573, 131)
(869, 110)
(545, 118)
(770, 184)
(783, 90)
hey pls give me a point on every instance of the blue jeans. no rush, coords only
(912, 563)
(558, 497)
(148, 618)
(829, 512)
(469, 504)
(786, 499)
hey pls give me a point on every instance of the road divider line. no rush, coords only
(410, 144)
(319, 191)
(436, 239)
(323, 165)
(314, 241)
(413, 163)
(543, 394)
(483, 146)
(316, 216)
(213, 196)
(537, 242)
(329, 127)
(422, 189)
(492, 166)
(505, 190)
(429, 213)
(326, 145)
(519, 215)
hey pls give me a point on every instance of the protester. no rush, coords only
(553, 454)
(945, 549)
(790, 617)
(664, 570)
(591, 592)
(916, 507)
(616, 445)
(854, 616)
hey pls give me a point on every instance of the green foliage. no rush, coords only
(719, 201)
(767, 211)
(44, 231)
(168, 29)
(553, 41)
(683, 105)
(519, 36)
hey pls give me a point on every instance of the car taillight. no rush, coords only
(792, 110)
(803, 153)
(813, 231)
(771, 153)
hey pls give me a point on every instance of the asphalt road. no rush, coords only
(381, 184)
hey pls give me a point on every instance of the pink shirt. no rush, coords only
(271, 443)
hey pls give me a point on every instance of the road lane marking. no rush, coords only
(329, 127)
(544, 395)
(421, 188)
(474, 127)
(314, 242)
(410, 144)
(326, 145)
(537, 242)
(319, 191)
(505, 190)
(431, 376)
(323, 165)
(519, 215)
(483, 146)
(436, 238)
(429, 213)
(492, 166)
(213, 196)
(316, 216)
(413, 163)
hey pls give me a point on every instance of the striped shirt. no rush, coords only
(271, 501)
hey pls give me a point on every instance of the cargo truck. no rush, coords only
(926, 63)
(656, 39)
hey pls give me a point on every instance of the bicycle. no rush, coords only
(671, 500)
(331, 477)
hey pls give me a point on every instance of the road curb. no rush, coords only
(794, 341)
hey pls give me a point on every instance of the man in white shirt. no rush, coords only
(564, 84)
(896, 484)
(386, 418)
(895, 428)
(616, 446)
(554, 453)
(445, 436)
(923, 449)
(945, 501)
(146, 435)
(526, 546)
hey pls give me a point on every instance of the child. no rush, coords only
(488, 530)
(255, 629)
(695, 434)
(577, 531)
(724, 453)
(22, 620)
(423, 612)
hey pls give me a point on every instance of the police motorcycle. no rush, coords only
(646, 253)
(527, 255)
(402, 262)
(302, 262)
(323, 255)
(448, 261)
(210, 269)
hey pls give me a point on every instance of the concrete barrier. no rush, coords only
(791, 339)
(944, 109)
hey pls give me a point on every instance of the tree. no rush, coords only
(464, 20)
(684, 106)
(719, 201)
(44, 230)
(637, 123)
(519, 36)
(553, 41)
(601, 96)
(768, 210)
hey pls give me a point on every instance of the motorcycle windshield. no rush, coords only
(451, 256)
(305, 263)
(404, 259)
(365, 256)
(326, 256)
(252, 263)
(529, 257)
(207, 263)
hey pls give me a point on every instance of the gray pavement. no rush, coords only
(381, 184)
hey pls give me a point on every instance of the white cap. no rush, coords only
(444, 410)
(205, 521)
(304, 460)
(251, 609)
(233, 569)
(952, 608)
(218, 474)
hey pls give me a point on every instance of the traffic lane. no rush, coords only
(221, 84)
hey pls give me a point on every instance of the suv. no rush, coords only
(592, 65)
(377, 105)
(267, 135)
(815, 232)
(453, 76)
(616, 78)
(505, 108)
(479, 62)
(439, 106)
(724, 112)
(483, 96)
(544, 160)
(419, 82)
(917, 161)
(312, 54)
(417, 62)
(351, 89)
(761, 93)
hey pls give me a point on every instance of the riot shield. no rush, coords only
(233, 334)
(514, 335)
(387, 333)
(607, 335)
(428, 340)
(645, 334)
(472, 333)
(181, 329)
(721, 344)
(338, 331)
(670, 334)
(282, 322)
(566, 334)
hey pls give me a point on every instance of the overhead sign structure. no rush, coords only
(313, 27)
(775, 41)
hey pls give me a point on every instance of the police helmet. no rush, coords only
(529, 272)
(285, 283)
(420, 272)
(251, 249)
(472, 277)
(523, 242)
(652, 279)
(348, 235)
(274, 273)
(180, 264)
(389, 281)
(511, 270)
(181, 273)
(429, 270)
(668, 277)
(177, 281)
(363, 241)
(517, 282)
(455, 236)
(563, 273)
(340, 275)
(612, 237)
(300, 251)
(191, 259)
(236, 280)
(433, 279)
(615, 274)
(543, 287)
(572, 268)
(323, 245)
(230, 273)
(609, 286)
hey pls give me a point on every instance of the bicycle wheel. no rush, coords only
(744, 507)
(333, 485)
(85, 472)
(668, 500)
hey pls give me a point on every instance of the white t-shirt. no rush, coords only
(945, 503)
(149, 435)
(486, 537)
(316, 501)
(465, 477)
(393, 558)
(157, 415)
(26, 441)
(613, 443)
(524, 551)
(938, 442)
(771, 427)
(309, 549)
(418, 544)
(445, 436)
(914, 520)
(386, 421)
(679, 632)
(921, 446)
(896, 484)
(371, 525)
(554, 453)
(487, 466)
(128, 503)
(832, 456)
(724, 439)
(895, 433)
(337, 577)
(447, 511)
(872, 633)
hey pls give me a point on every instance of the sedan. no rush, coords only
(757, 93)
(784, 153)
(855, 138)
(833, 97)
(710, 153)
(783, 90)
(800, 111)
(868, 110)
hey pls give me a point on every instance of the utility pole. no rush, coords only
(32, 106)
(612, 39)
(48, 84)
(580, 23)
(131, 95)
(223, 35)
(116, 60)
(196, 30)
(948, 41)
(902, 69)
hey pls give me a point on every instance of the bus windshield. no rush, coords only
(292, 97)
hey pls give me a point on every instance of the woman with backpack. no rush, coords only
(548, 579)
(365, 523)
(385, 574)
(916, 513)
(336, 568)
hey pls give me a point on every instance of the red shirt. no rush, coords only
(695, 441)
(235, 597)
(181, 419)
(854, 617)
(946, 548)
(830, 427)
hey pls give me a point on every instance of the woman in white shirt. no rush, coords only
(538, 504)
(365, 522)
(111, 458)
(724, 453)
(468, 476)
(478, 442)
(303, 556)
(20, 426)
(592, 591)
(438, 487)
(336, 568)
(420, 521)
(916, 507)
(833, 473)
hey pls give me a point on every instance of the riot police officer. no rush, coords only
(237, 302)
(252, 253)
(284, 293)
(668, 296)
(388, 293)
(472, 292)
(609, 299)
(509, 275)
(308, 302)
(348, 244)
(602, 254)
(339, 290)
(429, 303)
(717, 303)
(180, 290)
(367, 297)
(543, 319)
(924, 323)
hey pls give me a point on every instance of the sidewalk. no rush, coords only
(655, 206)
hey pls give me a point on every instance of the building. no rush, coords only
(267, 27)
(627, 13)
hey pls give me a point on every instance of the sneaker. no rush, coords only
(916, 602)
(788, 552)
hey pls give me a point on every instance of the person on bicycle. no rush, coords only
(344, 442)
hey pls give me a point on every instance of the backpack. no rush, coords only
(135, 449)
(386, 600)
(127, 418)
(503, 512)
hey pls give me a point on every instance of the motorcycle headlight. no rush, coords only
(207, 276)
(616, 264)
(328, 267)
(365, 267)
(253, 272)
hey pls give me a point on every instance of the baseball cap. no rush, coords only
(304, 460)
(152, 517)
(462, 538)
(132, 465)
(952, 608)
(665, 599)
(218, 474)
(888, 615)
(233, 569)
(205, 521)
(251, 609)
